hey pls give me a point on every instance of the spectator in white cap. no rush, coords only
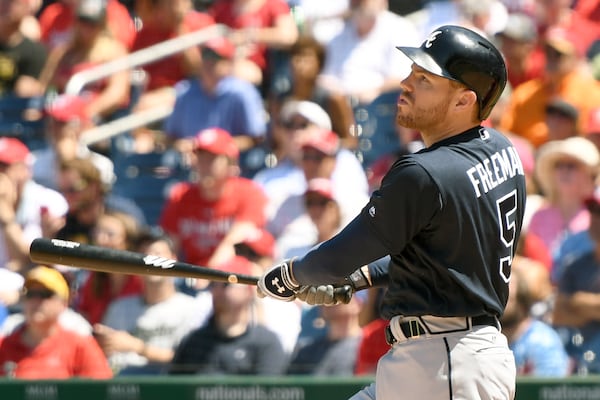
(286, 180)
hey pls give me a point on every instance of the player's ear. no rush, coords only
(465, 99)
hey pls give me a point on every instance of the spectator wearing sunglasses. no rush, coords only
(285, 183)
(566, 170)
(318, 154)
(41, 348)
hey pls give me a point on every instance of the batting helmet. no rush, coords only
(460, 54)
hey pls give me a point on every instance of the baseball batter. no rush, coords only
(440, 232)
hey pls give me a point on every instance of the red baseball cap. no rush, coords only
(222, 46)
(237, 265)
(321, 186)
(66, 108)
(593, 126)
(324, 140)
(261, 242)
(216, 141)
(13, 151)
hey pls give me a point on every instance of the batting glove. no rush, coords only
(325, 295)
(278, 283)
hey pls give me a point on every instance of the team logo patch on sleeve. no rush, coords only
(372, 211)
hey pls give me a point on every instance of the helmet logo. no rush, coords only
(431, 38)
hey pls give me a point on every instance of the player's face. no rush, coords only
(424, 102)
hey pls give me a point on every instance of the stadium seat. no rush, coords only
(376, 127)
(23, 118)
(146, 178)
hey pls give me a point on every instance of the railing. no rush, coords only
(256, 387)
(138, 58)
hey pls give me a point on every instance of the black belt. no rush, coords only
(415, 328)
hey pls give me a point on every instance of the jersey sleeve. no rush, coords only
(403, 206)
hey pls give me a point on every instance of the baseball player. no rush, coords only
(447, 219)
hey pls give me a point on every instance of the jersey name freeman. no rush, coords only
(495, 170)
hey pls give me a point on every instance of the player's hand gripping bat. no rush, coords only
(102, 259)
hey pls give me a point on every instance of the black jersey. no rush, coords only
(450, 216)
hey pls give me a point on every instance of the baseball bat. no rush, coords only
(102, 259)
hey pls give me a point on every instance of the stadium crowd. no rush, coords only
(269, 134)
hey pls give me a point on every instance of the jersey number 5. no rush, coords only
(506, 207)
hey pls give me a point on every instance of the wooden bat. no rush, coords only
(102, 259)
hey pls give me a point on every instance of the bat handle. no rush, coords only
(343, 294)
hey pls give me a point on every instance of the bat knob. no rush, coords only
(343, 294)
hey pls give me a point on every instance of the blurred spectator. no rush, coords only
(117, 231)
(578, 300)
(518, 43)
(333, 354)
(22, 58)
(28, 210)
(11, 284)
(286, 180)
(258, 27)
(57, 21)
(226, 101)
(162, 20)
(561, 119)
(359, 61)
(306, 59)
(563, 78)
(283, 318)
(139, 333)
(320, 211)
(537, 347)
(319, 151)
(30, 25)
(371, 347)
(208, 216)
(560, 13)
(66, 120)
(322, 20)
(592, 131)
(88, 197)
(89, 46)
(565, 170)
(486, 17)
(41, 348)
(230, 343)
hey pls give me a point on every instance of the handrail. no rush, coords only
(124, 124)
(144, 56)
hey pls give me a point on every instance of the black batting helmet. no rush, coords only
(460, 54)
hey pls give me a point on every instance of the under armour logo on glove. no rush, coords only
(277, 283)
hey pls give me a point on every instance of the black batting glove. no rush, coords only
(278, 282)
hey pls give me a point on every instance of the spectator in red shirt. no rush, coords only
(209, 216)
(41, 348)
(257, 25)
(57, 21)
(163, 20)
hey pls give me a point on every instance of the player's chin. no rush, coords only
(405, 120)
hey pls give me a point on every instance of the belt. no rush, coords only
(414, 327)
